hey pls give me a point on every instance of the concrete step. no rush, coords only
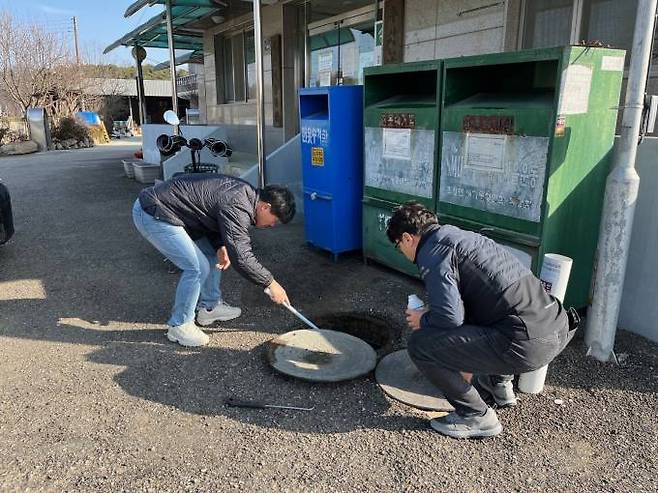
(238, 164)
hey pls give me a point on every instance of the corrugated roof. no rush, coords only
(153, 33)
(128, 87)
(195, 56)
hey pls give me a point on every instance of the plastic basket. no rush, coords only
(146, 172)
(128, 169)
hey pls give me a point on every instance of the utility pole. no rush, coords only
(620, 197)
(76, 39)
(76, 42)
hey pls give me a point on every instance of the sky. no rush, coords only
(100, 22)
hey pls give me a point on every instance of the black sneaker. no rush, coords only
(456, 426)
(501, 393)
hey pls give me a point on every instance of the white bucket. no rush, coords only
(555, 272)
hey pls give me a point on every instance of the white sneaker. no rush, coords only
(221, 312)
(188, 335)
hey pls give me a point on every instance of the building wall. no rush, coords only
(238, 113)
(443, 28)
(639, 310)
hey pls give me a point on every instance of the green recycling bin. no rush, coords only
(526, 145)
(401, 116)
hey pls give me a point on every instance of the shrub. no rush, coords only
(69, 128)
(9, 136)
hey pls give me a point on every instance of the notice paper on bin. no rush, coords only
(397, 143)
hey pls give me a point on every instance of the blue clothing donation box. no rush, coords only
(331, 127)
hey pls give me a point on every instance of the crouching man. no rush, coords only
(201, 223)
(488, 316)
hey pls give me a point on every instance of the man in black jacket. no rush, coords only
(201, 223)
(488, 315)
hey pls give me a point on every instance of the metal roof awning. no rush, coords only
(140, 4)
(153, 33)
(195, 56)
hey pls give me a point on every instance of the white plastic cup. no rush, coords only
(414, 302)
(555, 272)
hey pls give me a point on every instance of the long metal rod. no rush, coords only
(301, 317)
(260, 103)
(172, 57)
(620, 198)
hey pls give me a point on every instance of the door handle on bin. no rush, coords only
(316, 195)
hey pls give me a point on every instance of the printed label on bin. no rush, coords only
(317, 156)
(499, 174)
(408, 168)
(560, 126)
(314, 135)
(612, 63)
(488, 124)
(574, 90)
(397, 143)
(397, 120)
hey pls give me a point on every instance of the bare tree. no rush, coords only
(32, 61)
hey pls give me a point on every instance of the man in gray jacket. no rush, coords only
(488, 315)
(201, 223)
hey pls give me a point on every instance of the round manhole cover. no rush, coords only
(398, 377)
(321, 356)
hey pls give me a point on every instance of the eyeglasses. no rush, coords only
(397, 244)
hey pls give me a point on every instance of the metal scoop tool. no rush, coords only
(296, 313)
(301, 317)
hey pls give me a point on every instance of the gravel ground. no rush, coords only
(94, 398)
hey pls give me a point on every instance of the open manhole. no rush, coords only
(373, 329)
(343, 349)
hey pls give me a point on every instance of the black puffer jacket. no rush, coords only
(471, 279)
(222, 208)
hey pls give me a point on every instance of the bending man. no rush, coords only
(201, 223)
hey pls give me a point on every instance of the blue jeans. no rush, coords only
(199, 283)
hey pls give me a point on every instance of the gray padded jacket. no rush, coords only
(470, 279)
(222, 208)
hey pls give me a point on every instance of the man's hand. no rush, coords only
(223, 262)
(277, 293)
(413, 317)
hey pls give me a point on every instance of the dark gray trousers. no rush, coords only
(441, 354)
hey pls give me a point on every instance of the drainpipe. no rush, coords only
(260, 104)
(307, 48)
(172, 57)
(620, 197)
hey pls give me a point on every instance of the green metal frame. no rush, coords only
(424, 103)
(577, 167)
(425, 108)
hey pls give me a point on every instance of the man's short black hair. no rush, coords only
(412, 218)
(282, 201)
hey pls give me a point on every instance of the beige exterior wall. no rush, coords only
(443, 29)
(237, 113)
